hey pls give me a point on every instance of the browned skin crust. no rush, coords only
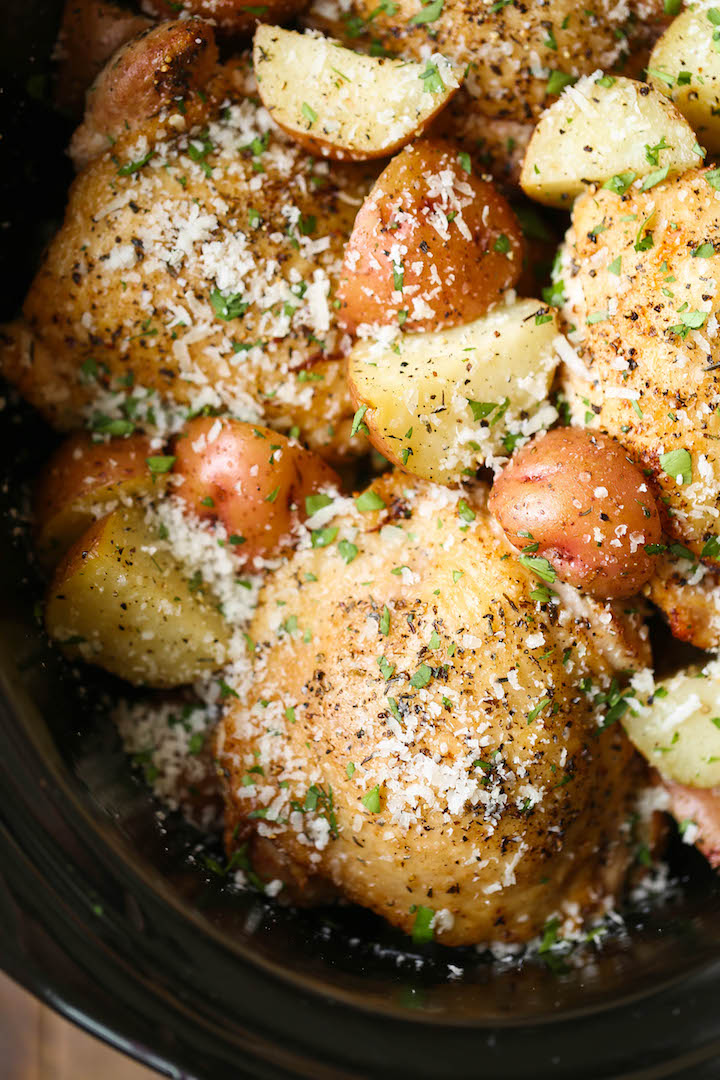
(91, 31)
(158, 67)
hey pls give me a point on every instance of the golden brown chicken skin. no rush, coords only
(195, 270)
(640, 274)
(418, 727)
(519, 55)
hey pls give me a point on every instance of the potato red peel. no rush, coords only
(250, 478)
(433, 245)
(577, 499)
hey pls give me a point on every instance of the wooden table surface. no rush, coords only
(37, 1044)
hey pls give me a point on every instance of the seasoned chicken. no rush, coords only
(640, 273)
(518, 55)
(195, 270)
(428, 728)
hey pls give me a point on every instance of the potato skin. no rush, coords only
(431, 837)
(161, 65)
(90, 32)
(702, 807)
(250, 478)
(449, 273)
(578, 500)
(80, 477)
(233, 17)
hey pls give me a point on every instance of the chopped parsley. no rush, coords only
(539, 566)
(678, 464)
(655, 177)
(132, 167)
(313, 503)
(422, 931)
(386, 668)
(371, 800)
(369, 500)
(620, 182)
(228, 307)
(347, 551)
(160, 463)
(422, 677)
(357, 424)
(428, 13)
(557, 81)
(432, 81)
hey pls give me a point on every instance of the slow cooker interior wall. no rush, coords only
(344, 952)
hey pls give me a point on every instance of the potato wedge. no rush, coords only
(601, 128)
(433, 245)
(83, 480)
(117, 602)
(679, 730)
(685, 66)
(442, 403)
(342, 104)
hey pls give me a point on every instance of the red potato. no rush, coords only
(231, 17)
(433, 245)
(83, 476)
(577, 499)
(250, 478)
(158, 67)
(701, 807)
(90, 33)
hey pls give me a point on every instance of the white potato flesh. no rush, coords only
(344, 104)
(120, 602)
(679, 730)
(442, 403)
(685, 66)
(600, 128)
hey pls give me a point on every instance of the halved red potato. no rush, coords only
(347, 105)
(82, 478)
(231, 17)
(433, 244)
(576, 501)
(158, 67)
(250, 478)
(90, 32)
(121, 601)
